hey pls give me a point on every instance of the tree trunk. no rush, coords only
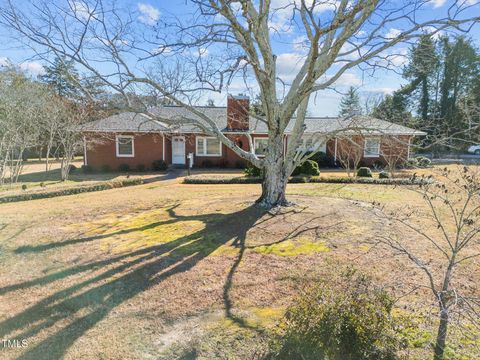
(275, 176)
(441, 335)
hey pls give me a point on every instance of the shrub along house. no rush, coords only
(133, 139)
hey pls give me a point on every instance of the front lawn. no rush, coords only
(171, 270)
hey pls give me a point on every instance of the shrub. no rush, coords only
(411, 163)
(322, 159)
(297, 171)
(105, 168)
(423, 161)
(24, 187)
(87, 169)
(124, 168)
(310, 168)
(252, 171)
(159, 165)
(304, 179)
(378, 165)
(141, 167)
(364, 172)
(70, 191)
(384, 175)
(71, 168)
(345, 321)
(207, 163)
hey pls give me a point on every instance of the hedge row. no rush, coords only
(71, 191)
(303, 179)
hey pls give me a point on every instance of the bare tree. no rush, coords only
(224, 41)
(393, 150)
(350, 152)
(21, 103)
(68, 132)
(453, 209)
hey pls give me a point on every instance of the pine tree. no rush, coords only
(62, 77)
(350, 104)
(420, 70)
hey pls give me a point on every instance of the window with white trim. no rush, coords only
(208, 146)
(372, 147)
(124, 145)
(260, 146)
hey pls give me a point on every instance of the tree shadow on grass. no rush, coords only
(84, 303)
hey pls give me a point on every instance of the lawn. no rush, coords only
(167, 270)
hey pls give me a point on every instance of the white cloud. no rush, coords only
(283, 12)
(288, 65)
(203, 52)
(5, 62)
(149, 15)
(392, 33)
(32, 67)
(437, 3)
(301, 43)
(81, 9)
(348, 79)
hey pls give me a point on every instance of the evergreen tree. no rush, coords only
(420, 71)
(394, 108)
(350, 104)
(62, 77)
(461, 66)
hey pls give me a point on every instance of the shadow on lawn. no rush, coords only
(91, 299)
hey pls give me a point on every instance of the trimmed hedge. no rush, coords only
(222, 180)
(364, 172)
(304, 179)
(71, 191)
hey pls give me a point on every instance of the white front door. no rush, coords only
(178, 150)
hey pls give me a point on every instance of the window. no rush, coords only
(372, 147)
(208, 146)
(125, 146)
(260, 145)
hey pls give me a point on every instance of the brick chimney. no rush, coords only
(238, 109)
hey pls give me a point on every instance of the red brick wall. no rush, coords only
(101, 150)
(238, 113)
(228, 158)
(390, 146)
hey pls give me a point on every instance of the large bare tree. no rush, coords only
(220, 41)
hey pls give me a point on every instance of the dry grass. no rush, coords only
(136, 272)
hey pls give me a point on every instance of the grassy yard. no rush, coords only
(36, 179)
(166, 270)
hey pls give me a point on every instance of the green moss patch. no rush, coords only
(293, 247)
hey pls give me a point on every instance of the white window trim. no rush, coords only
(204, 138)
(116, 145)
(377, 155)
(255, 146)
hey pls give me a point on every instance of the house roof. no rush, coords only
(135, 122)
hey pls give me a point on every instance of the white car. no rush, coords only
(474, 149)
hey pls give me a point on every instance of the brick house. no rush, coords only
(133, 139)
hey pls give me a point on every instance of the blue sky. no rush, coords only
(287, 45)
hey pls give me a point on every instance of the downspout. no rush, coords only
(408, 149)
(335, 153)
(85, 162)
(163, 147)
